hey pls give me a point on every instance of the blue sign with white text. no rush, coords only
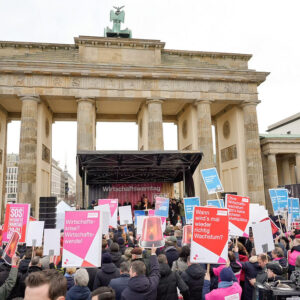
(212, 181)
(138, 213)
(217, 203)
(189, 204)
(279, 198)
(294, 209)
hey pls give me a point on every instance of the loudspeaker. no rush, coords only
(47, 211)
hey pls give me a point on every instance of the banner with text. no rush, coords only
(16, 220)
(162, 207)
(82, 239)
(189, 204)
(210, 235)
(239, 213)
(212, 181)
(279, 198)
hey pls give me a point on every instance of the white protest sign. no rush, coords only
(263, 237)
(113, 206)
(140, 221)
(125, 215)
(61, 208)
(34, 236)
(106, 217)
(51, 242)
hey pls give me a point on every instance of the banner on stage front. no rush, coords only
(239, 215)
(162, 207)
(216, 202)
(51, 242)
(189, 204)
(125, 215)
(263, 237)
(16, 220)
(113, 205)
(212, 181)
(210, 235)
(82, 239)
(35, 232)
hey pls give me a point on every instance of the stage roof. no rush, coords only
(103, 167)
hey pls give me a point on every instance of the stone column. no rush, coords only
(86, 135)
(286, 171)
(205, 143)
(272, 171)
(217, 147)
(253, 154)
(155, 125)
(297, 168)
(28, 151)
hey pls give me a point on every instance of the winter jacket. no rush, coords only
(242, 258)
(70, 281)
(221, 293)
(9, 283)
(119, 284)
(24, 264)
(171, 254)
(282, 261)
(92, 274)
(79, 293)
(116, 258)
(295, 274)
(105, 274)
(167, 287)
(292, 256)
(142, 287)
(31, 269)
(179, 265)
(193, 276)
(17, 291)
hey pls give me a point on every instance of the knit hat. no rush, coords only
(275, 267)
(172, 239)
(226, 274)
(106, 258)
(137, 251)
(120, 241)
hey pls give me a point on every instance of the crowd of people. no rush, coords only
(129, 272)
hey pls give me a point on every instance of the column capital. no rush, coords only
(86, 99)
(249, 103)
(30, 97)
(202, 101)
(155, 100)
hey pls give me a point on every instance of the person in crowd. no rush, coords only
(107, 272)
(181, 264)
(104, 293)
(278, 256)
(70, 277)
(121, 243)
(11, 280)
(127, 254)
(116, 255)
(45, 285)
(138, 206)
(126, 203)
(173, 212)
(137, 254)
(120, 283)
(169, 282)
(193, 276)
(274, 271)
(181, 211)
(226, 287)
(145, 204)
(293, 254)
(262, 274)
(141, 287)
(178, 235)
(171, 250)
(80, 291)
(296, 274)
(24, 264)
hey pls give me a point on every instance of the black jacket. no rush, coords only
(105, 274)
(171, 254)
(116, 258)
(92, 275)
(167, 287)
(193, 276)
(17, 291)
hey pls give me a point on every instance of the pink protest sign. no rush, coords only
(82, 238)
(16, 220)
(113, 205)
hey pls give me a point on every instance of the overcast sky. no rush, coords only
(267, 29)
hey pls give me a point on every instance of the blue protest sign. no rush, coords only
(212, 181)
(274, 201)
(162, 207)
(138, 213)
(217, 203)
(189, 204)
(279, 198)
(293, 208)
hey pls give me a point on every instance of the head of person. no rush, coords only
(262, 260)
(242, 249)
(277, 252)
(226, 274)
(137, 268)
(273, 269)
(45, 285)
(114, 247)
(81, 277)
(70, 271)
(35, 262)
(178, 233)
(104, 244)
(136, 253)
(162, 259)
(296, 242)
(124, 267)
(28, 253)
(184, 253)
(104, 293)
(106, 258)
(231, 256)
(171, 241)
(39, 251)
(127, 253)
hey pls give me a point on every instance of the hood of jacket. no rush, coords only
(296, 248)
(235, 266)
(195, 271)
(115, 256)
(23, 267)
(80, 293)
(109, 268)
(164, 270)
(139, 284)
(34, 269)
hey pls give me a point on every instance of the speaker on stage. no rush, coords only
(47, 211)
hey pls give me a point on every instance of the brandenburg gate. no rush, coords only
(131, 80)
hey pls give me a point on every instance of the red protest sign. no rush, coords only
(210, 235)
(238, 208)
(11, 247)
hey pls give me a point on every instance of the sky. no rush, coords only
(269, 30)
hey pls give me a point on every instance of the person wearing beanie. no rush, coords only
(274, 271)
(121, 244)
(116, 255)
(80, 291)
(107, 272)
(226, 287)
